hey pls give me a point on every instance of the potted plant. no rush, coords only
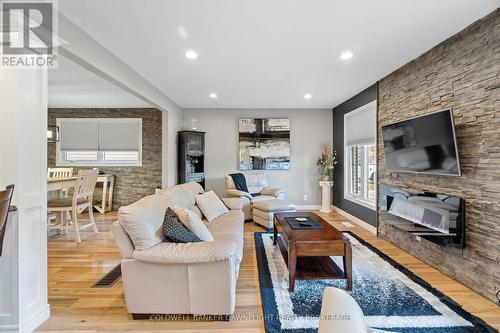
(326, 163)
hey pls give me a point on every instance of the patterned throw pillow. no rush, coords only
(175, 231)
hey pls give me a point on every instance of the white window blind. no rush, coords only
(360, 125)
(119, 135)
(360, 155)
(79, 135)
(99, 141)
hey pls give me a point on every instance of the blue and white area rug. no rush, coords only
(391, 297)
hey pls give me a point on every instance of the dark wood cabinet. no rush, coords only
(191, 157)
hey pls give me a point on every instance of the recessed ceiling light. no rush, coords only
(213, 95)
(346, 55)
(307, 96)
(191, 55)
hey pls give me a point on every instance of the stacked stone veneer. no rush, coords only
(131, 183)
(462, 73)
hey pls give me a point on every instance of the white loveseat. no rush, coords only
(178, 278)
(256, 183)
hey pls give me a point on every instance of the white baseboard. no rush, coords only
(307, 207)
(353, 218)
(30, 324)
(35, 320)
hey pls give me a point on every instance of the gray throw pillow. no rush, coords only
(174, 231)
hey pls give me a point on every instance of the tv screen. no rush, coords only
(424, 144)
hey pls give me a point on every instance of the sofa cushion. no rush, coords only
(211, 205)
(232, 221)
(233, 203)
(181, 253)
(192, 187)
(143, 219)
(193, 223)
(239, 181)
(175, 231)
(229, 227)
(256, 181)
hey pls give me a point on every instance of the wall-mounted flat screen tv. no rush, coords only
(425, 144)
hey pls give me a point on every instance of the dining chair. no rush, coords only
(59, 172)
(83, 194)
(5, 199)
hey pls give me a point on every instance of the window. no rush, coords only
(360, 156)
(99, 141)
(361, 174)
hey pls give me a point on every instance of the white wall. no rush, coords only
(309, 130)
(169, 148)
(23, 133)
(84, 50)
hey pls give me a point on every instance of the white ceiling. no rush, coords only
(261, 53)
(72, 86)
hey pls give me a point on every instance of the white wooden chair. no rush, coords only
(59, 172)
(81, 200)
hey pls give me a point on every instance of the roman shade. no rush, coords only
(79, 135)
(360, 125)
(95, 141)
(120, 135)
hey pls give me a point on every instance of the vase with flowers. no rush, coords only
(326, 162)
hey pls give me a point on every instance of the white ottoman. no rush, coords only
(263, 211)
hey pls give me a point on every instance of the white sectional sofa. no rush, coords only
(178, 278)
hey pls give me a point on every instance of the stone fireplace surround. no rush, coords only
(462, 73)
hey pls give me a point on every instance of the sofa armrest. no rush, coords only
(122, 240)
(237, 193)
(233, 203)
(274, 192)
(183, 253)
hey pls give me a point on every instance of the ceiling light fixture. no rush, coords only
(346, 55)
(213, 95)
(191, 55)
(307, 96)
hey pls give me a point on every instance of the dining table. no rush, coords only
(55, 184)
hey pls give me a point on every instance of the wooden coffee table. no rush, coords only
(307, 251)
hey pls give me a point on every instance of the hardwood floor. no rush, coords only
(76, 307)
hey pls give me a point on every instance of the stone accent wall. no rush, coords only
(131, 183)
(462, 73)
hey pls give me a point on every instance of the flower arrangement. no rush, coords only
(326, 162)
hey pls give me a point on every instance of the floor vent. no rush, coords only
(108, 280)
